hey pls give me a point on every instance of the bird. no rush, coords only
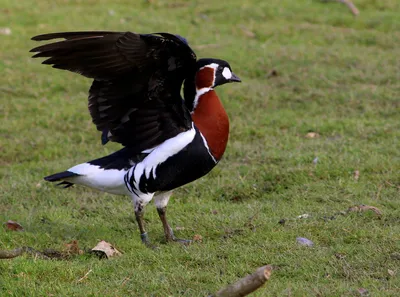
(169, 138)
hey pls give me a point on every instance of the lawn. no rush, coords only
(306, 66)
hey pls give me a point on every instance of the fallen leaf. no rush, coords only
(356, 175)
(340, 256)
(282, 222)
(363, 292)
(125, 280)
(395, 256)
(72, 248)
(303, 216)
(106, 249)
(272, 73)
(304, 241)
(312, 135)
(362, 207)
(5, 31)
(247, 32)
(198, 238)
(391, 272)
(13, 226)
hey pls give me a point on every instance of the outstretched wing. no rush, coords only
(135, 96)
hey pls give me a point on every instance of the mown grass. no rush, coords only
(337, 76)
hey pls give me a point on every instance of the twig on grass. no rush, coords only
(349, 4)
(4, 254)
(246, 285)
(84, 277)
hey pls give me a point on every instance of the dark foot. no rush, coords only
(170, 237)
(183, 241)
(169, 234)
(146, 241)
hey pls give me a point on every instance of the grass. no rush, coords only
(337, 76)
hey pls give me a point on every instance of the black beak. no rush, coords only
(234, 78)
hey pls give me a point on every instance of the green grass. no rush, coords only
(337, 76)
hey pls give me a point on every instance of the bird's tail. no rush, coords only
(61, 176)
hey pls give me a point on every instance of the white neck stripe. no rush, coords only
(199, 92)
(212, 65)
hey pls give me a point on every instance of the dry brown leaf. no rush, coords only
(272, 73)
(362, 207)
(72, 248)
(5, 31)
(312, 135)
(395, 256)
(340, 256)
(304, 241)
(107, 249)
(198, 238)
(13, 226)
(391, 272)
(356, 175)
(363, 292)
(247, 32)
(349, 4)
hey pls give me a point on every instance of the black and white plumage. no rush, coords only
(135, 100)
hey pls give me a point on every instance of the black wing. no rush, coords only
(135, 96)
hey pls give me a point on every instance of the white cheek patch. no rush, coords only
(227, 73)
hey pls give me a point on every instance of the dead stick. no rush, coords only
(84, 277)
(4, 254)
(246, 285)
(349, 4)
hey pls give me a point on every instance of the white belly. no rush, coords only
(106, 180)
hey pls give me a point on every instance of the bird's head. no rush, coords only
(213, 72)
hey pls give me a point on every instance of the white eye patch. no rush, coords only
(227, 73)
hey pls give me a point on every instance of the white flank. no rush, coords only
(106, 180)
(162, 152)
(161, 199)
(227, 73)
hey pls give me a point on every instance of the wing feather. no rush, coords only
(135, 96)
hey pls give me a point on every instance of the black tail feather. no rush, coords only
(60, 177)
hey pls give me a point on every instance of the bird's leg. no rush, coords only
(161, 202)
(139, 212)
(140, 221)
(169, 234)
